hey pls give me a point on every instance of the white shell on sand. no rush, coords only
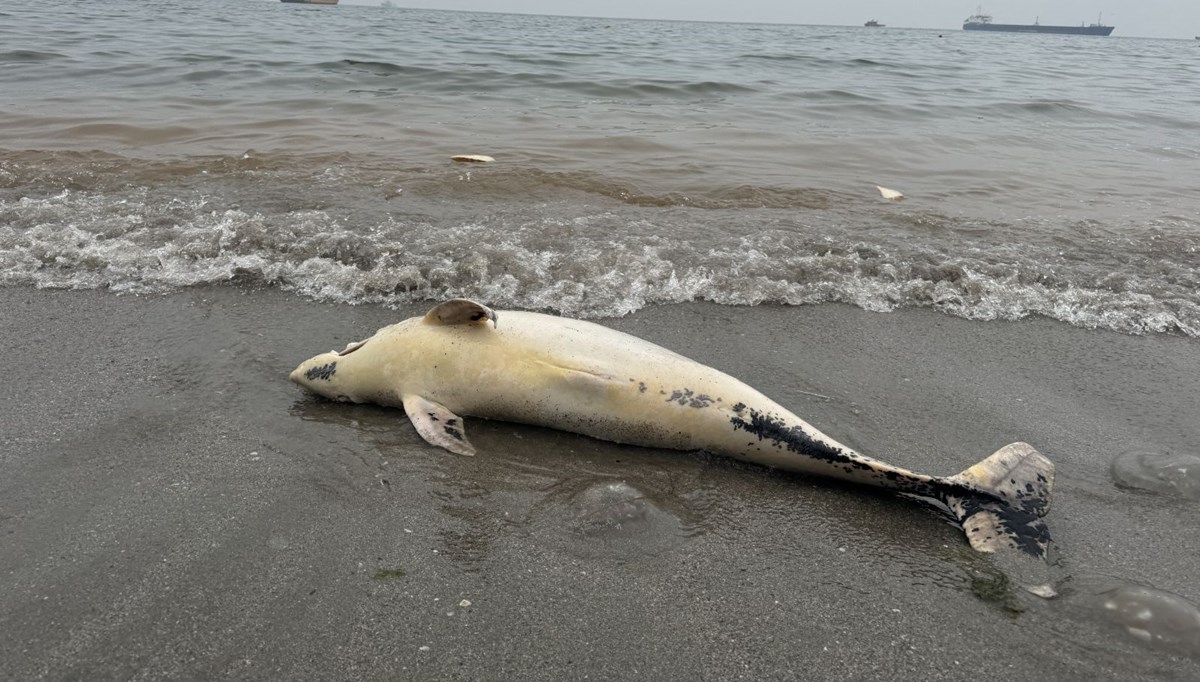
(472, 158)
(890, 194)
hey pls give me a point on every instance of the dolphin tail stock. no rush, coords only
(1014, 494)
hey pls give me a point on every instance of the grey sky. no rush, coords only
(1154, 18)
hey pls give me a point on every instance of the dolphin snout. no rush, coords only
(317, 373)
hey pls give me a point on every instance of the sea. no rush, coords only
(152, 145)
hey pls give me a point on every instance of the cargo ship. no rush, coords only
(313, 2)
(983, 22)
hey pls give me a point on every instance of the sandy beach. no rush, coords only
(171, 507)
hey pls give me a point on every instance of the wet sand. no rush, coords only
(172, 507)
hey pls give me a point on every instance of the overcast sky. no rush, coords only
(1154, 18)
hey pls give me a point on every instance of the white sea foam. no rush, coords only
(571, 266)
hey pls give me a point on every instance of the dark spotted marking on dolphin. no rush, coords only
(680, 397)
(1018, 521)
(324, 372)
(796, 439)
(688, 398)
(792, 438)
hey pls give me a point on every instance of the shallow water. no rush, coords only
(145, 147)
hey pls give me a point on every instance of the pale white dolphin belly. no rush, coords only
(461, 359)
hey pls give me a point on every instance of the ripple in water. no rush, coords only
(1158, 472)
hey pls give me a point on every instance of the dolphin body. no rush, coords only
(585, 378)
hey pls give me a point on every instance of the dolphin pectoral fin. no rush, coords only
(460, 311)
(437, 425)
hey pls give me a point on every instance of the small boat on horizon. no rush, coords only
(874, 24)
(312, 2)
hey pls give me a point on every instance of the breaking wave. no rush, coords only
(579, 266)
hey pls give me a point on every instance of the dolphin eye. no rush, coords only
(351, 347)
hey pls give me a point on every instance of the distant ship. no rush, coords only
(874, 24)
(983, 22)
(313, 2)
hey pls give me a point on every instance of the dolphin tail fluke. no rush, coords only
(1016, 482)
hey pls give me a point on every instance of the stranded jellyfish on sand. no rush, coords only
(1160, 619)
(1158, 472)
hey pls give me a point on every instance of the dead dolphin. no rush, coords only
(582, 377)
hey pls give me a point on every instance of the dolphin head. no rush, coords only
(319, 374)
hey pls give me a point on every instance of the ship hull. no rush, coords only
(1038, 28)
(312, 2)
